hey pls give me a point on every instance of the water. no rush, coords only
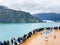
(17, 30)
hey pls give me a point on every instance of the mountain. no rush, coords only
(12, 16)
(48, 16)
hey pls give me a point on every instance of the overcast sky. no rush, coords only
(33, 6)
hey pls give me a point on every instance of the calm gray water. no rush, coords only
(15, 30)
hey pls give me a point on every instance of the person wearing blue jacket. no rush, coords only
(1, 43)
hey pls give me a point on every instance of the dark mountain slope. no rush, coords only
(12, 16)
(48, 16)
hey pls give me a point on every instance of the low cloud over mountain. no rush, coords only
(33, 6)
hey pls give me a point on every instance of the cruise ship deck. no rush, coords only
(43, 38)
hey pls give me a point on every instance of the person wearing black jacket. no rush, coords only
(4, 43)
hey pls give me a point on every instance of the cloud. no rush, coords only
(33, 6)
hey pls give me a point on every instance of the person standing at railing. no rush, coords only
(1, 43)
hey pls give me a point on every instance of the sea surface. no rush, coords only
(7, 31)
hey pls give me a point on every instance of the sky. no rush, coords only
(33, 6)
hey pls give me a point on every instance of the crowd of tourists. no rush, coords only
(21, 40)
